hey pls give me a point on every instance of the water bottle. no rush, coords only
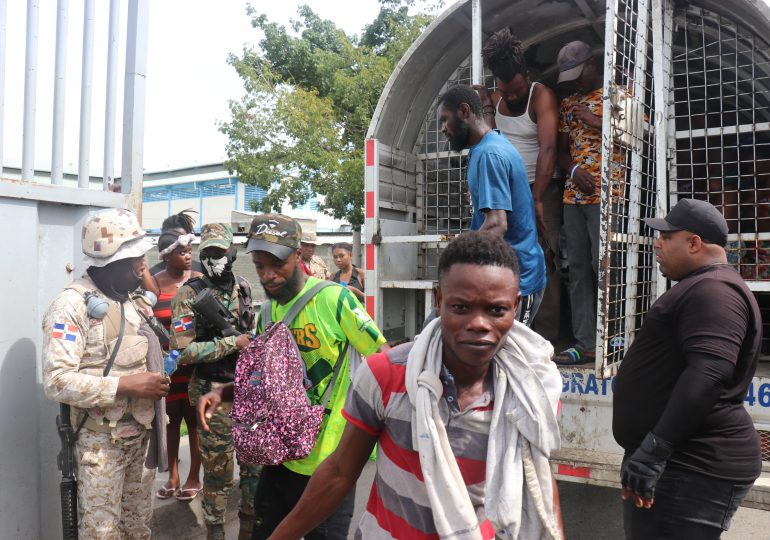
(169, 362)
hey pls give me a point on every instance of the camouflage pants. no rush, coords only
(114, 494)
(217, 459)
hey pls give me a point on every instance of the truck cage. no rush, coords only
(687, 115)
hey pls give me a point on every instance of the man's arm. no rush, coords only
(335, 477)
(487, 104)
(496, 222)
(183, 324)
(546, 111)
(563, 157)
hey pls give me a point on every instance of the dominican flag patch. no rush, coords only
(185, 323)
(64, 332)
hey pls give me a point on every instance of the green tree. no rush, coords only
(310, 93)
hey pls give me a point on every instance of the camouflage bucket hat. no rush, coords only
(111, 235)
(216, 235)
(277, 234)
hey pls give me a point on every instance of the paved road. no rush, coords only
(589, 512)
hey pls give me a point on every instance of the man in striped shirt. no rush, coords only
(476, 300)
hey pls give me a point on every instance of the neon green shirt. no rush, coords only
(331, 318)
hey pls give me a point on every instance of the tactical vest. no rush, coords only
(222, 370)
(131, 358)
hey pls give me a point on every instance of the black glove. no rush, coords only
(642, 470)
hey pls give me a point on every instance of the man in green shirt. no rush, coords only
(329, 321)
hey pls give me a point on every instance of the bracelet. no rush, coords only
(572, 170)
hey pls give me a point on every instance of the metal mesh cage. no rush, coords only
(627, 275)
(721, 94)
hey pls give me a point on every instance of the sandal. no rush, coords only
(166, 492)
(187, 494)
(572, 357)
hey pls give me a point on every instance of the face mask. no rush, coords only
(220, 270)
(215, 267)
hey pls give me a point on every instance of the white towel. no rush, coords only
(523, 433)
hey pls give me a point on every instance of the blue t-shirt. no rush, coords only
(498, 181)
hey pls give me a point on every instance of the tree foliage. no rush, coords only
(310, 92)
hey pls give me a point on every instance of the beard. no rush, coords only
(289, 289)
(459, 140)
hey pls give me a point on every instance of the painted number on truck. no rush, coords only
(758, 394)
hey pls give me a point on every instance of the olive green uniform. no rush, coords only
(216, 445)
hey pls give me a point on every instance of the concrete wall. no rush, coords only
(40, 240)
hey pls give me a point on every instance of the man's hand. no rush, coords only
(207, 406)
(242, 341)
(641, 471)
(583, 113)
(583, 180)
(149, 385)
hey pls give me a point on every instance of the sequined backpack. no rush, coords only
(273, 419)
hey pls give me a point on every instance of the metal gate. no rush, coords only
(634, 108)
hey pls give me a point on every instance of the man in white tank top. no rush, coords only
(527, 113)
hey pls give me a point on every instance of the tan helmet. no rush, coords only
(111, 235)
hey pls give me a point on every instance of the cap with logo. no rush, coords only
(218, 235)
(277, 234)
(111, 235)
(571, 59)
(695, 216)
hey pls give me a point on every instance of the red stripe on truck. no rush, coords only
(370, 204)
(370, 152)
(580, 472)
(370, 256)
(370, 306)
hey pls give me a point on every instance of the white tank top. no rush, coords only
(521, 131)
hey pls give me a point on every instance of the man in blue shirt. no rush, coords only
(500, 195)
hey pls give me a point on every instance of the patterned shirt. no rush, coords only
(317, 268)
(585, 148)
(398, 505)
(329, 320)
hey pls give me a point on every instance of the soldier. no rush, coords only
(90, 329)
(314, 264)
(202, 345)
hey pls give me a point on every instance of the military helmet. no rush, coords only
(111, 235)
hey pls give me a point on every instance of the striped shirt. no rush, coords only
(377, 403)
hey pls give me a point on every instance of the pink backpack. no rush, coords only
(273, 419)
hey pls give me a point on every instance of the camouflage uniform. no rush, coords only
(216, 445)
(318, 268)
(114, 500)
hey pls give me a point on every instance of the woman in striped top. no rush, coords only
(175, 249)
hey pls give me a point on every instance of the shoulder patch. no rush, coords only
(65, 332)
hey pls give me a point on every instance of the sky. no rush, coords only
(188, 82)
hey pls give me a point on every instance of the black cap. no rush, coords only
(698, 217)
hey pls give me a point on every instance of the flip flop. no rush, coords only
(572, 357)
(187, 494)
(166, 492)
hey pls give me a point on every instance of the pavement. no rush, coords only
(589, 512)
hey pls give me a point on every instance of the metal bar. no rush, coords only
(133, 103)
(722, 130)
(476, 65)
(417, 284)
(30, 93)
(3, 32)
(415, 239)
(662, 42)
(373, 302)
(59, 91)
(112, 83)
(86, 91)
(602, 299)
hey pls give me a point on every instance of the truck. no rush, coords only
(687, 115)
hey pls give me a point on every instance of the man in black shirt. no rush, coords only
(691, 447)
